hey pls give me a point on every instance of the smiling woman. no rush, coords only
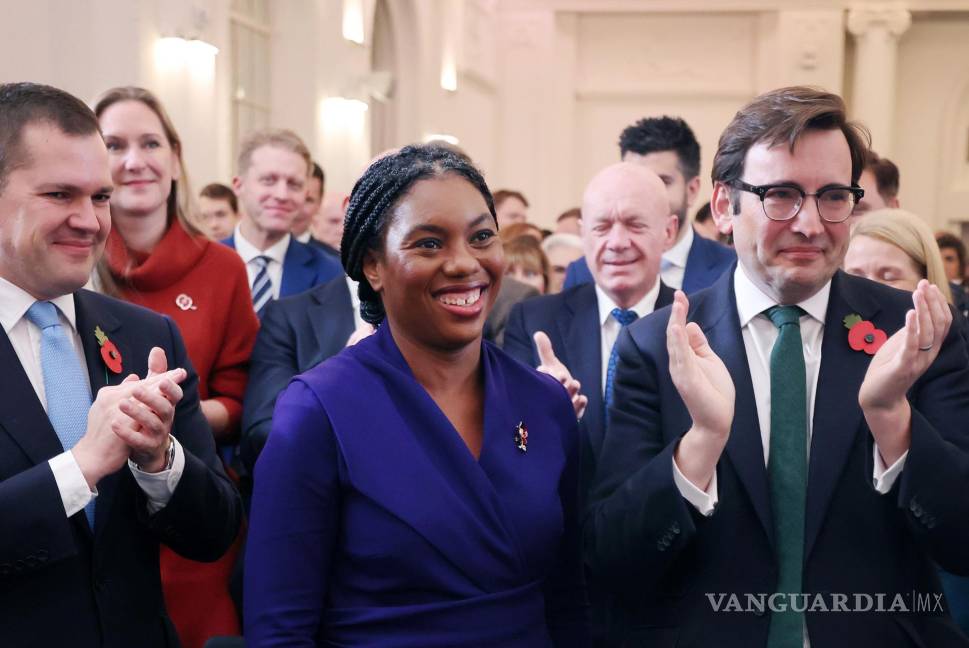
(156, 257)
(420, 486)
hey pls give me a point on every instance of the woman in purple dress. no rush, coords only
(419, 489)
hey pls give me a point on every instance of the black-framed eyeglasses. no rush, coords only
(783, 202)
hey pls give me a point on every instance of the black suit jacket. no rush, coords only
(663, 558)
(297, 333)
(61, 585)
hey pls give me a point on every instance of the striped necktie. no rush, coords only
(262, 285)
(65, 381)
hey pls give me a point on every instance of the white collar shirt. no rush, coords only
(609, 328)
(673, 263)
(275, 252)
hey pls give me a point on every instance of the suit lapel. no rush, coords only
(696, 265)
(837, 415)
(744, 447)
(22, 415)
(582, 334)
(296, 270)
(332, 305)
(90, 315)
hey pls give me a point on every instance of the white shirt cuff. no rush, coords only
(884, 478)
(71, 483)
(160, 486)
(704, 502)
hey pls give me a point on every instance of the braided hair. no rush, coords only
(375, 196)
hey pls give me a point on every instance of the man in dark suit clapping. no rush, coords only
(88, 490)
(786, 469)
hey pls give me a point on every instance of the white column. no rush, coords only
(876, 30)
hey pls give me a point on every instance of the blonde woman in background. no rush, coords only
(896, 248)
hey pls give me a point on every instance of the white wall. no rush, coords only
(932, 119)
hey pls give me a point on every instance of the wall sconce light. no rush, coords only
(353, 21)
(449, 76)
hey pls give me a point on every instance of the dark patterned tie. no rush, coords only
(625, 318)
(787, 469)
(262, 285)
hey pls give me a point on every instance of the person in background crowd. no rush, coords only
(156, 257)
(757, 446)
(514, 230)
(400, 498)
(315, 185)
(525, 261)
(328, 224)
(560, 250)
(88, 490)
(218, 210)
(667, 147)
(953, 257)
(297, 333)
(880, 181)
(626, 226)
(896, 248)
(273, 169)
(511, 207)
(569, 222)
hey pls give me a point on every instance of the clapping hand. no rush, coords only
(896, 366)
(698, 373)
(707, 390)
(131, 420)
(551, 365)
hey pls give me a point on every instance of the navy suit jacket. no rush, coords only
(705, 263)
(304, 266)
(61, 584)
(666, 560)
(373, 525)
(571, 320)
(297, 333)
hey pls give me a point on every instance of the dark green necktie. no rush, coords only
(787, 469)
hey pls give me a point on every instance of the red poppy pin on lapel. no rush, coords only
(521, 437)
(109, 352)
(862, 334)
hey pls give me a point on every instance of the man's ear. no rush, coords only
(373, 271)
(692, 190)
(721, 208)
(672, 230)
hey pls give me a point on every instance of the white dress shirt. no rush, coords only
(275, 252)
(608, 326)
(304, 237)
(673, 263)
(25, 338)
(759, 335)
(355, 302)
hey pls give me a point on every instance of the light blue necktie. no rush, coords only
(262, 285)
(65, 381)
(625, 317)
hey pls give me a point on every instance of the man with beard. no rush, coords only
(667, 147)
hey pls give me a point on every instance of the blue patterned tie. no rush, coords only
(262, 285)
(65, 381)
(625, 318)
